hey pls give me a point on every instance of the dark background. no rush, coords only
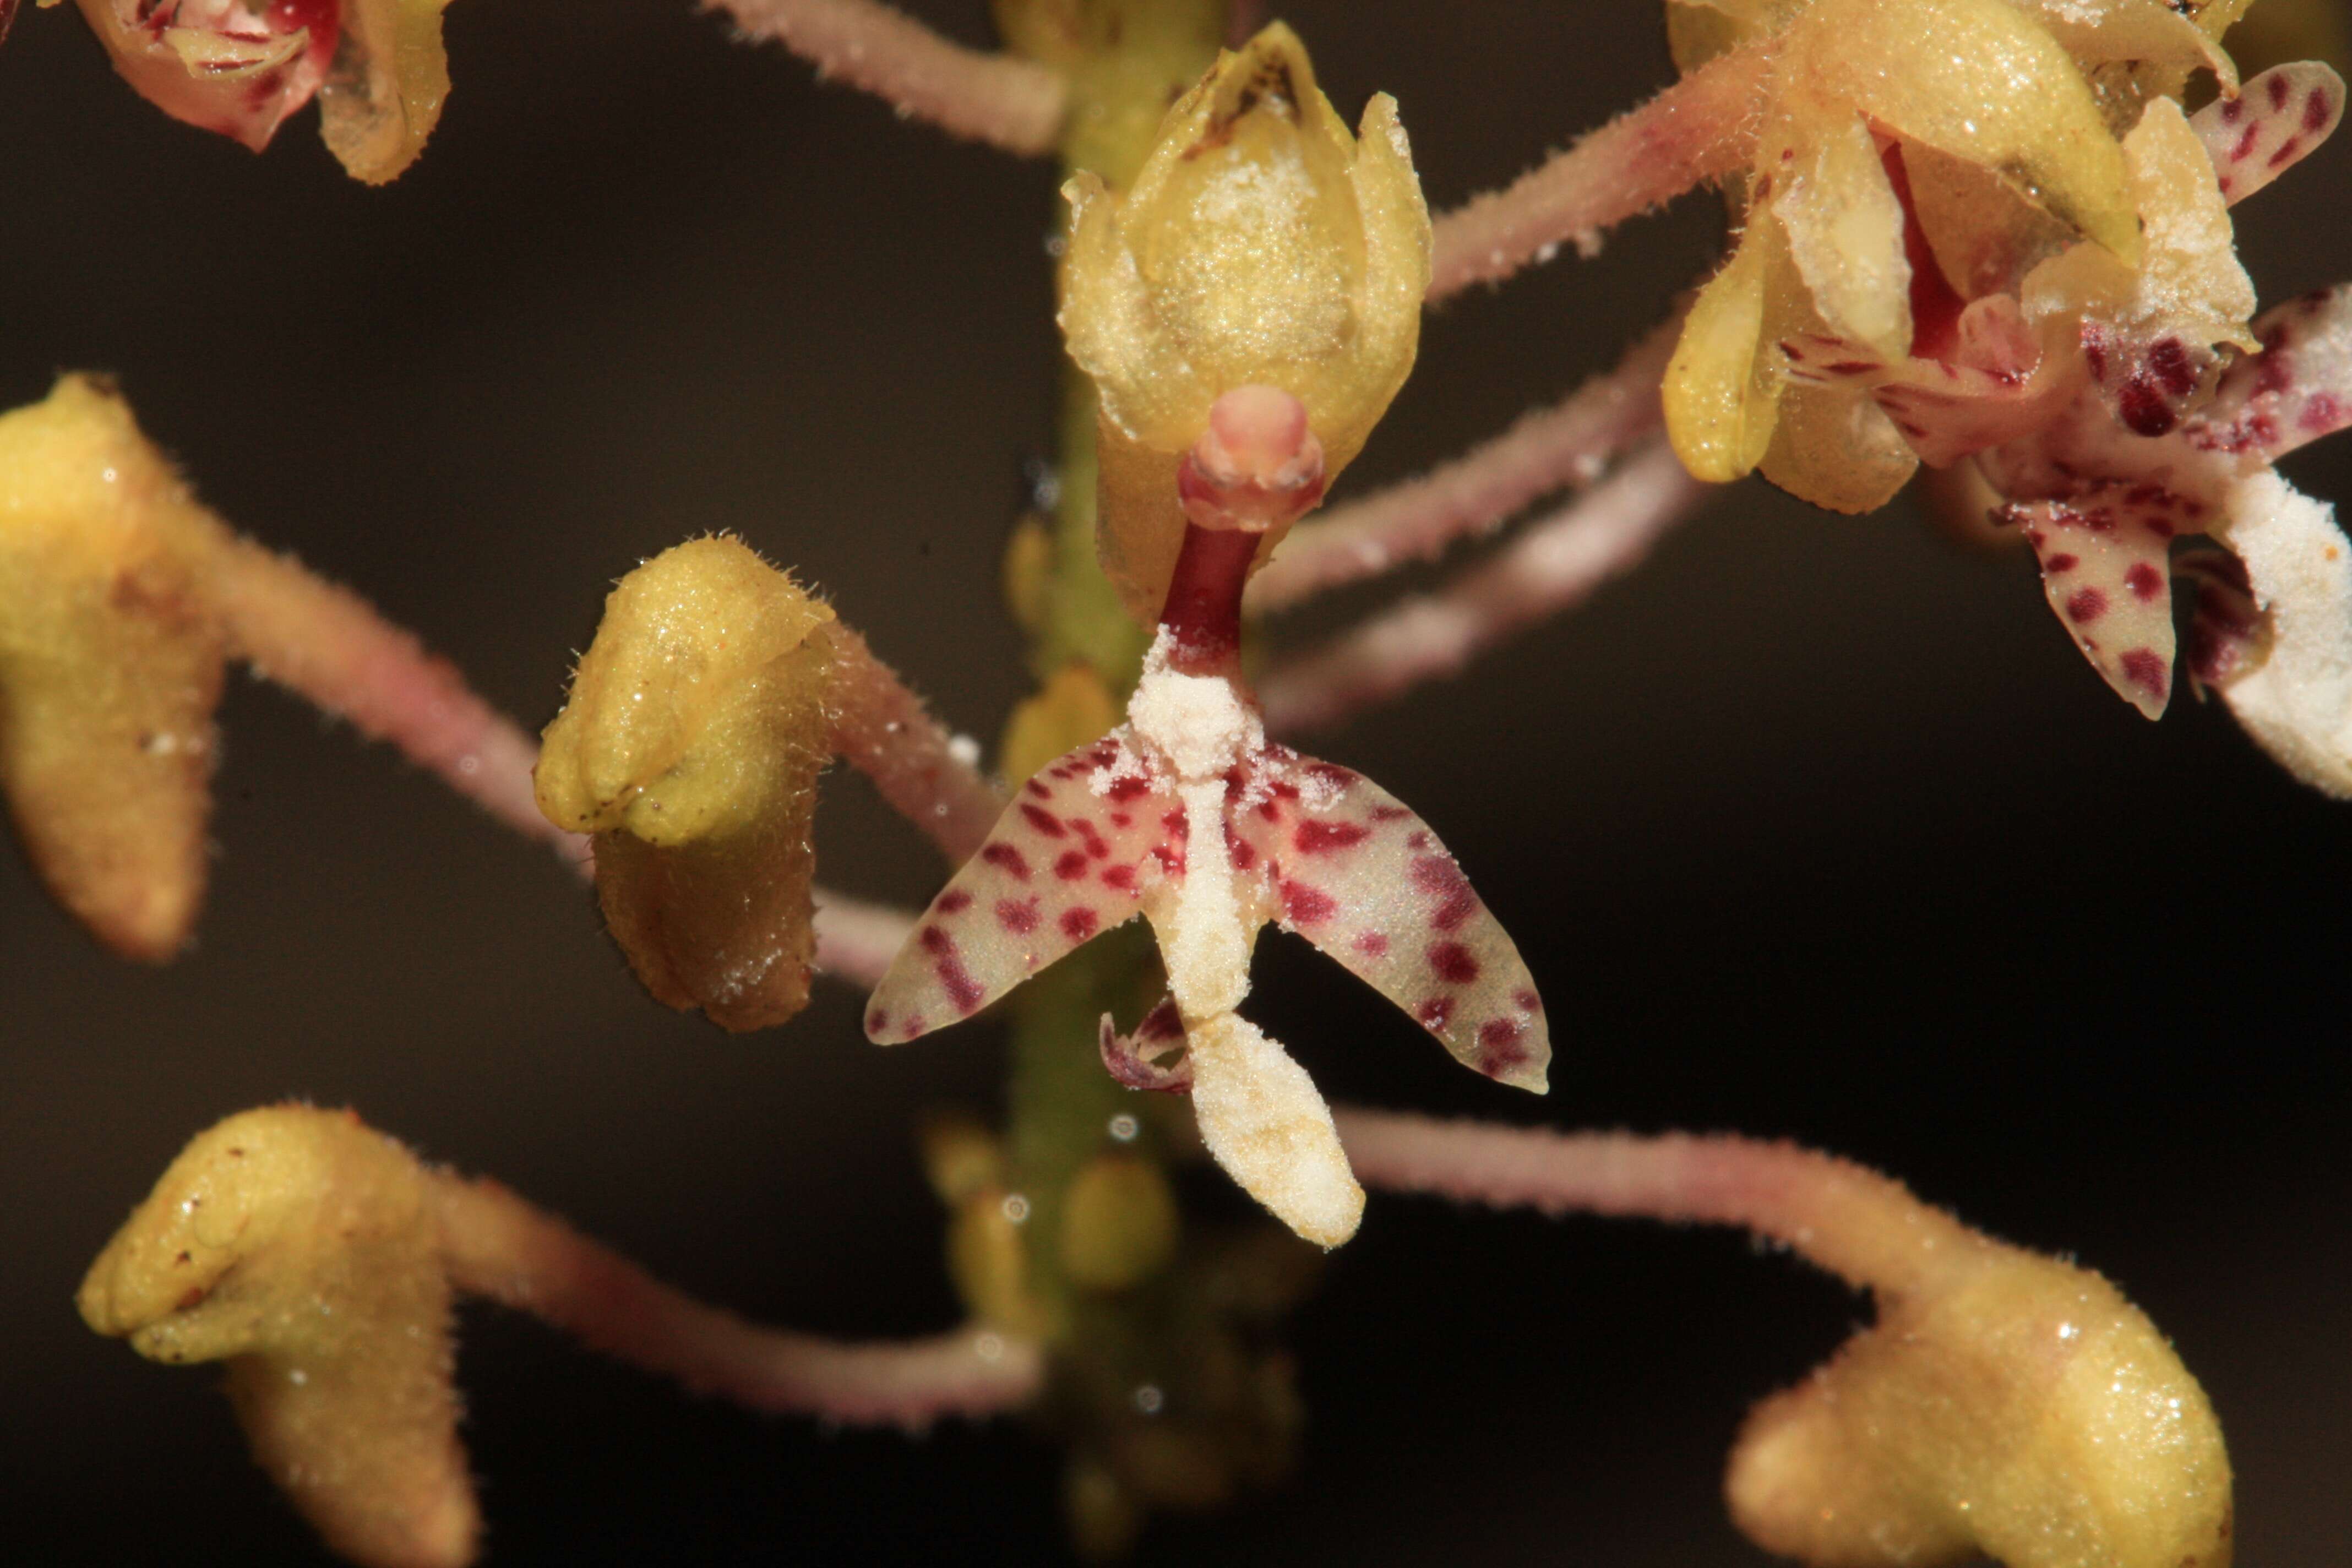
(1815, 827)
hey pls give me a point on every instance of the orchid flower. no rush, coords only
(2114, 409)
(2018, 288)
(1996, 133)
(243, 67)
(1189, 815)
(1247, 310)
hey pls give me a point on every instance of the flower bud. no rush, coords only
(2027, 1412)
(110, 664)
(690, 747)
(301, 1247)
(1261, 246)
(1118, 1223)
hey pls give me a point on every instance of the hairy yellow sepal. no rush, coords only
(690, 747)
(110, 663)
(1721, 392)
(300, 1247)
(1260, 245)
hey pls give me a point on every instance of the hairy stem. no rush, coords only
(330, 647)
(496, 1245)
(1701, 128)
(887, 733)
(1865, 1228)
(1015, 104)
(1552, 566)
(1566, 445)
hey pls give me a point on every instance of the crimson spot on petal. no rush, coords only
(1454, 962)
(1318, 837)
(2142, 667)
(1306, 905)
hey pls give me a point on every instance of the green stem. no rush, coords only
(1125, 60)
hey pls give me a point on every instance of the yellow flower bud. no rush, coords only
(110, 662)
(1118, 1223)
(1261, 245)
(301, 1247)
(690, 747)
(2030, 1414)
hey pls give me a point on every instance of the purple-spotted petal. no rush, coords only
(2297, 389)
(2270, 126)
(1362, 877)
(1074, 854)
(2104, 563)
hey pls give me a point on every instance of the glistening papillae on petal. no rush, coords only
(1267, 1126)
(2294, 696)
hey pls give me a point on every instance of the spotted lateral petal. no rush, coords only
(2267, 128)
(1362, 877)
(2104, 567)
(1074, 853)
(2296, 390)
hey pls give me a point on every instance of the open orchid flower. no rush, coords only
(2114, 409)
(1996, 133)
(1187, 816)
(244, 67)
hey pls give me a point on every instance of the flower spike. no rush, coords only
(1187, 816)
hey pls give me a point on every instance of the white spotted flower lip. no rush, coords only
(1187, 816)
